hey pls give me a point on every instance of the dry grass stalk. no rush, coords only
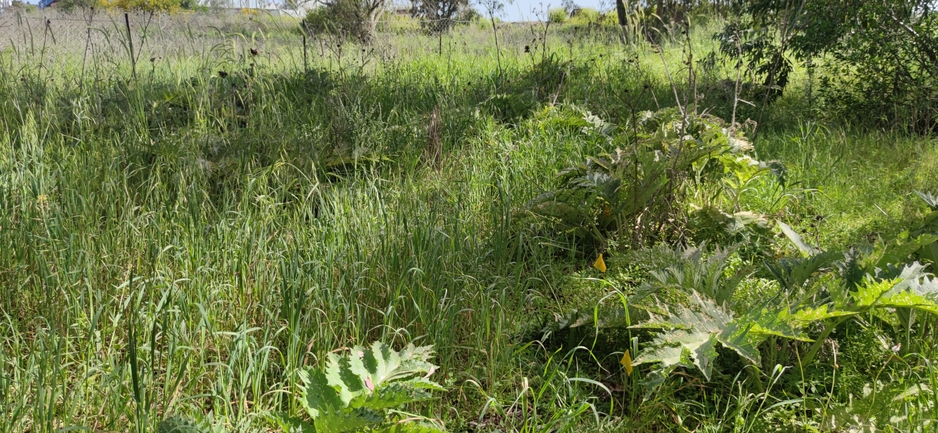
(434, 151)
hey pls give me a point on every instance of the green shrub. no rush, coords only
(345, 18)
(557, 16)
(634, 194)
(585, 16)
(321, 20)
(592, 17)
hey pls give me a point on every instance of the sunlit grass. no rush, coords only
(182, 243)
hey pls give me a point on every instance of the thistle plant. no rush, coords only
(363, 389)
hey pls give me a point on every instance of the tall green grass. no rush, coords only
(183, 242)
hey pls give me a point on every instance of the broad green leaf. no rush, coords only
(318, 396)
(737, 336)
(795, 238)
(341, 377)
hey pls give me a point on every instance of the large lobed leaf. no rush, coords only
(690, 335)
(356, 389)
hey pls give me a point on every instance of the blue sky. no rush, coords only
(521, 10)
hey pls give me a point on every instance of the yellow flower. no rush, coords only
(627, 362)
(600, 264)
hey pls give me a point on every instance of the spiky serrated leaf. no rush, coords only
(694, 331)
(819, 313)
(930, 199)
(915, 279)
(869, 294)
(564, 212)
(690, 269)
(912, 391)
(663, 351)
(347, 420)
(393, 395)
(381, 362)
(705, 354)
(178, 424)
(912, 290)
(355, 389)
(792, 273)
(424, 383)
(766, 322)
(291, 424)
(738, 337)
(898, 250)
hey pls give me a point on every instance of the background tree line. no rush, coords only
(875, 62)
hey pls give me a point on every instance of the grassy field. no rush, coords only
(181, 233)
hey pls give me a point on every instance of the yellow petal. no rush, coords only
(600, 264)
(627, 362)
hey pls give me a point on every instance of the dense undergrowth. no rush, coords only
(185, 244)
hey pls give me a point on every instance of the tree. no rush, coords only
(890, 48)
(570, 6)
(354, 18)
(438, 14)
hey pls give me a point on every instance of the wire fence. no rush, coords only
(106, 39)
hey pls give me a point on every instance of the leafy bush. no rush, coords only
(747, 229)
(881, 281)
(359, 390)
(438, 15)
(557, 15)
(322, 20)
(143, 5)
(877, 58)
(592, 17)
(635, 194)
(356, 19)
